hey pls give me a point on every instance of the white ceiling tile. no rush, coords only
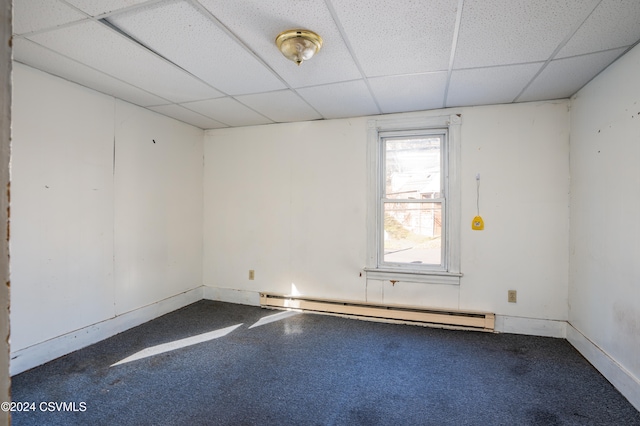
(281, 106)
(412, 92)
(188, 116)
(35, 15)
(503, 32)
(95, 8)
(339, 100)
(173, 55)
(564, 77)
(411, 36)
(185, 36)
(228, 111)
(614, 23)
(102, 48)
(486, 86)
(32, 54)
(258, 23)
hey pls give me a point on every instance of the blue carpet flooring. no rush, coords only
(215, 363)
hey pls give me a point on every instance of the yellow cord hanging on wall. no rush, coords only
(477, 224)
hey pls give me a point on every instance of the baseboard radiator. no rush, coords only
(467, 320)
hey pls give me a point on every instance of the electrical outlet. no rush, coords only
(512, 296)
(252, 274)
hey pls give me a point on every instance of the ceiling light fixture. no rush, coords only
(299, 45)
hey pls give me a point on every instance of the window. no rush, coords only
(412, 199)
(414, 203)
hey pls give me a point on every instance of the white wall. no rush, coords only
(288, 201)
(604, 284)
(521, 152)
(158, 207)
(92, 239)
(62, 226)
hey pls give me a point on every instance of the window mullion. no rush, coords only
(413, 200)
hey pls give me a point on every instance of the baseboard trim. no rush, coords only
(626, 383)
(531, 326)
(241, 297)
(40, 353)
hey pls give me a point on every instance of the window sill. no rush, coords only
(426, 277)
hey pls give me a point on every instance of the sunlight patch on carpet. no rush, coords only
(275, 317)
(177, 344)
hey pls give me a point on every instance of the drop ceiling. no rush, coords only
(214, 63)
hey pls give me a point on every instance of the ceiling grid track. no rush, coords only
(114, 12)
(128, 37)
(454, 45)
(124, 34)
(246, 47)
(96, 70)
(88, 17)
(343, 34)
(170, 56)
(568, 37)
(235, 38)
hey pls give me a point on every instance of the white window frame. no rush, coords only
(449, 272)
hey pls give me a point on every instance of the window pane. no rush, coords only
(412, 167)
(412, 233)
